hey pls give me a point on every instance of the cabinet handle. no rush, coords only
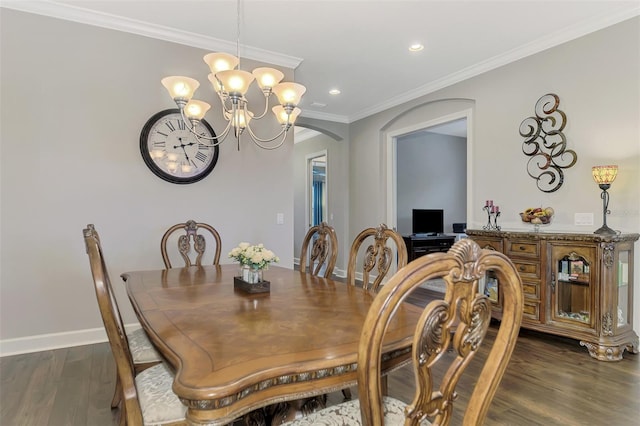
(553, 281)
(522, 268)
(521, 247)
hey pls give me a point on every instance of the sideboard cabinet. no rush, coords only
(575, 285)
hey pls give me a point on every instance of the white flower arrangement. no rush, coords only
(254, 256)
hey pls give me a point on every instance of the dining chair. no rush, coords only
(145, 397)
(193, 234)
(142, 350)
(377, 255)
(320, 250)
(448, 335)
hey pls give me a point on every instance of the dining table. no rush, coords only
(235, 352)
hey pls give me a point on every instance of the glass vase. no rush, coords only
(250, 275)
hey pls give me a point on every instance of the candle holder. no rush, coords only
(492, 216)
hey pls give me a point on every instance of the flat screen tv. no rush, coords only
(427, 221)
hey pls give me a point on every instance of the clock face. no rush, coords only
(173, 153)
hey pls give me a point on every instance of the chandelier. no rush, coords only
(231, 84)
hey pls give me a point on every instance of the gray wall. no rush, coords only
(432, 174)
(75, 97)
(337, 187)
(596, 78)
(74, 100)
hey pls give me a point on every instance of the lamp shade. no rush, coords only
(283, 117)
(180, 87)
(289, 93)
(220, 61)
(267, 78)
(241, 118)
(195, 109)
(235, 82)
(604, 174)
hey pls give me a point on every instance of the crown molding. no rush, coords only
(555, 39)
(325, 116)
(119, 23)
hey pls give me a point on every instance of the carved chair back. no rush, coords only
(320, 250)
(192, 236)
(377, 255)
(448, 335)
(114, 326)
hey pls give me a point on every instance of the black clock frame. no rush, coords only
(151, 164)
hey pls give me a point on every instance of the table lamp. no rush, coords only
(604, 176)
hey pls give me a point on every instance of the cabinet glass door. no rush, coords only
(573, 295)
(623, 279)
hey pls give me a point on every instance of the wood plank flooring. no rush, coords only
(550, 381)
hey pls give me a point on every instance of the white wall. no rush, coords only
(432, 174)
(74, 100)
(596, 78)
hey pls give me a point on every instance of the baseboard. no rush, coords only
(47, 342)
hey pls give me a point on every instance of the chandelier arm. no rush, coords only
(191, 128)
(219, 139)
(266, 109)
(257, 139)
(224, 99)
(269, 148)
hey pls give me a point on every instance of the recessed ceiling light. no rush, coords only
(334, 91)
(416, 47)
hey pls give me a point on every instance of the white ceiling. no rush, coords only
(358, 46)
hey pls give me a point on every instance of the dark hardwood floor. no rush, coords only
(550, 381)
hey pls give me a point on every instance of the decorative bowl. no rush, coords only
(537, 216)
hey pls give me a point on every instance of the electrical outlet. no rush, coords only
(583, 219)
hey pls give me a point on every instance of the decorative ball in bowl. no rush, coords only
(537, 215)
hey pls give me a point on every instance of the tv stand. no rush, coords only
(421, 244)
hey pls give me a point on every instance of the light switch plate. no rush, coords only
(583, 219)
(280, 219)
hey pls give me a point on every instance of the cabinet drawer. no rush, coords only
(531, 289)
(527, 269)
(523, 248)
(495, 244)
(531, 310)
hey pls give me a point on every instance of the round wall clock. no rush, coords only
(174, 153)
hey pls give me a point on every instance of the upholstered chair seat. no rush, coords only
(158, 403)
(142, 350)
(348, 413)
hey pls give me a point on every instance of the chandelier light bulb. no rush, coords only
(186, 168)
(220, 61)
(180, 88)
(289, 93)
(267, 78)
(284, 118)
(235, 82)
(172, 157)
(195, 110)
(241, 118)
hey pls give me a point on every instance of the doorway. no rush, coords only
(317, 209)
(457, 124)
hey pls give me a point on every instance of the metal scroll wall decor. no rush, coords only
(546, 144)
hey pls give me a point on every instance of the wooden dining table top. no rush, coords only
(234, 352)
